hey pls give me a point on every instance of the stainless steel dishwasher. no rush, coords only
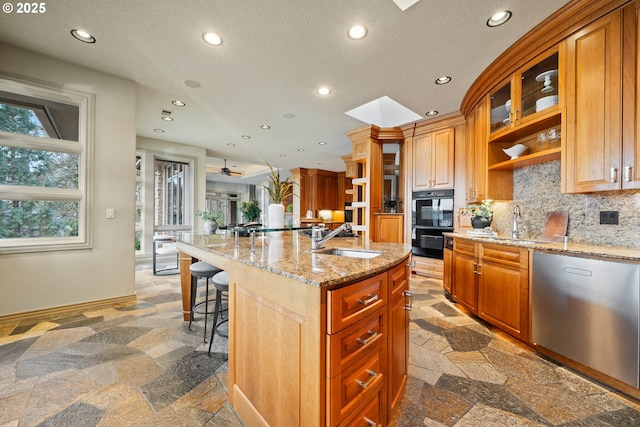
(588, 310)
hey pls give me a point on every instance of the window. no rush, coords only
(44, 149)
(172, 180)
(228, 203)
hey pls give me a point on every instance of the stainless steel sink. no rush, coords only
(350, 253)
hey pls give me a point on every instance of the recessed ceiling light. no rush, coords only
(443, 80)
(265, 127)
(246, 137)
(324, 91)
(167, 118)
(431, 113)
(178, 103)
(158, 130)
(192, 84)
(357, 32)
(300, 150)
(499, 18)
(231, 144)
(83, 36)
(322, 143)
(212, 39)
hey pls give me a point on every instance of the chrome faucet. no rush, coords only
(517, 217)
(317, 241)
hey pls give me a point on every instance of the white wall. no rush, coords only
(34, 281)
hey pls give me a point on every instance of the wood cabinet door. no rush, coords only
(631, 100)
(398, 337)
(422, 162)
(465, 286)
(442, 167)
(447, 271)
(503, 298)
(389, 228)
(476, 155)
(594, 107)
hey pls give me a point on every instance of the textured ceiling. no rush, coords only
(274, 55)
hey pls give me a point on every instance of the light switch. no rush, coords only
(111, 213)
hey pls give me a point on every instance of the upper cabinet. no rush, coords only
(601, 84)
(529, 93)
(433, 160)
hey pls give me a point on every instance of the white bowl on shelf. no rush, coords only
(515, 151)
(546, 102)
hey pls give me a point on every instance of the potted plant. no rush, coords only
(250, 211)
(211, 218)
(481, 215)
(278, 191)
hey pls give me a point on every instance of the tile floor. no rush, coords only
(139, 365)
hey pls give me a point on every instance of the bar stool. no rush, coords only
(221, 283)
(198, 270)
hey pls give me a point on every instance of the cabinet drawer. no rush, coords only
(464, 246)
(504, 254)
(352, 343)
(369, 415)
(357, 384)
(354, 302)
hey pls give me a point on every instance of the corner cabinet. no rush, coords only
(492, 282)
(602, 137)
(433, 160)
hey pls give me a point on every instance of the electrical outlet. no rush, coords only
(111, 213)
(609, 217)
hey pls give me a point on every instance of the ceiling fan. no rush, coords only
(226, 171)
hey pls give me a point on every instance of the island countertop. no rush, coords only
(290, 255)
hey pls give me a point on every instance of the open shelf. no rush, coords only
(528, 159)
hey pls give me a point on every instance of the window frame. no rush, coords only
(83, 148)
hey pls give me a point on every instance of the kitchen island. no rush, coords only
(315, 339)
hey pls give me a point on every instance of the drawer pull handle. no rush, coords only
(370, 422)
(370, 299)
(367, 383)
(371, 337)
(409, 298)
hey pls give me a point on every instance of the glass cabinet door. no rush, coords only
(500, 108)
(539, 87)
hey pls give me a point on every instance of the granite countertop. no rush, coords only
(576, 249)
(290, 255)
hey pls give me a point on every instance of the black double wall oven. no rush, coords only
(431, 216)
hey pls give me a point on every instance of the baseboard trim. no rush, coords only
(66, 308)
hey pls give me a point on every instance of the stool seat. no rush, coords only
(203, 269)
(221, 281)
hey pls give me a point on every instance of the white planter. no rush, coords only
(210, 227)
(276, 216)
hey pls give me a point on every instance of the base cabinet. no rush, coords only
(492, 282)
(367, 348)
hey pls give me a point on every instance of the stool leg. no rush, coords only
(214, 326)
(206, 311)
(194, 290)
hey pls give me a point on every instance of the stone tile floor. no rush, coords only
(139, 365)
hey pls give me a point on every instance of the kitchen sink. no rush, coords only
(350, 253)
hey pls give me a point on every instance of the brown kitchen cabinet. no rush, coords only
(389, 227)
(476, 155)
(602, 154)
(492, 282)
(433, 160)
(399, 295)
(447, 273)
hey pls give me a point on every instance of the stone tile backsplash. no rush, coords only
(536, 190)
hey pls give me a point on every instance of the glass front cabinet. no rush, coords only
(530, 93)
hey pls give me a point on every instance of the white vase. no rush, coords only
(276, 216)
(210, 227)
